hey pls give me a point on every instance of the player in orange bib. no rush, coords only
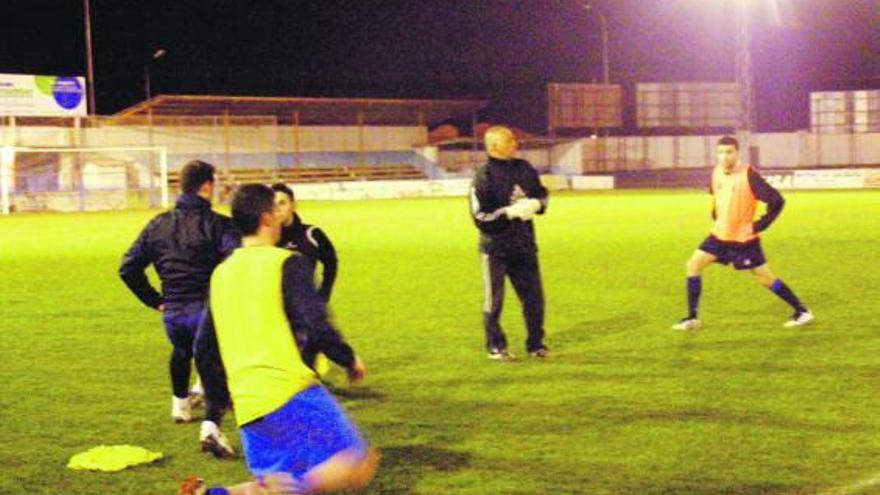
(736, 189)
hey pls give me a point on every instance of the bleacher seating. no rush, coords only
(300, 175)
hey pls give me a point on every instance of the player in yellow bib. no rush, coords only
(736, 189)
(295, 436)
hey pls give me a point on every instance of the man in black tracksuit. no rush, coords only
(184, 245)
(314, 245)
(506, 193)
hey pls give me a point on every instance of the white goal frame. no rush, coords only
(7, 166)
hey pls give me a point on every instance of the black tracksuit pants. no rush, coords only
(524, 274)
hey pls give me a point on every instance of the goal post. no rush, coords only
(83, 179)
(7, 156)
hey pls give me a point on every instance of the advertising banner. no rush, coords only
(845, 178)
(43, 96)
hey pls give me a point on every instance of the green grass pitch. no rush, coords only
(624, 405)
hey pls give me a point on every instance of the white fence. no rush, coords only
(767, 150)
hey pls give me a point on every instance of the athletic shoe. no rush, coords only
(687, 324)
(540, 353)
(800, 318)
(214, 441)
(181, 410)
(501, 355)
(193, 485)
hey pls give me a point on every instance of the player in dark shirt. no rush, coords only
(315, 246)
(307, 239)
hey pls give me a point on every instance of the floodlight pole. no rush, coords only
(606, 77)
(744, 73)
(90, 64)
(606, 72)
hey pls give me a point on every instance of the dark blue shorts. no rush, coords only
(743, 255)
(304, 433)
(181, 324)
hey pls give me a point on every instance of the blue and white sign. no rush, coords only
(44, 96)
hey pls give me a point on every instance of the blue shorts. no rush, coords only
(743, 255)
(304, 433)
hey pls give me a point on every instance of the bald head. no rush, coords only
(500, 142)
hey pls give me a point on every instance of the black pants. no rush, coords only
(210, 366)
(526, 279)
(180, 326)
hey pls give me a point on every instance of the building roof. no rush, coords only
(309, 111)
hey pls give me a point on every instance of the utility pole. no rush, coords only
(89, 61)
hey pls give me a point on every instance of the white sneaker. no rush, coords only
(214, 441)
(501, 355)
(181, 410)
(800, 318)
(687, 324)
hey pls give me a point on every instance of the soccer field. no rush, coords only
(623, 406)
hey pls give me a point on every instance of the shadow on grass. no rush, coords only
(761, 420)
(601, 327)
(403, 465)
(719, 487)
(356, 393)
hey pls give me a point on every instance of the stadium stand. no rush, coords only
(312, 174)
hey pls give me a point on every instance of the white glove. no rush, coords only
(512, 212)
(532, 204)
(523, 209)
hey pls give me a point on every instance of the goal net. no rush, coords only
(82, 179)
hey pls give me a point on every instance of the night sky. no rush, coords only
(503, 51)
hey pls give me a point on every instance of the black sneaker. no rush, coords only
(501, 355)
(540, 353)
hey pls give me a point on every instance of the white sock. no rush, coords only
(209, 428)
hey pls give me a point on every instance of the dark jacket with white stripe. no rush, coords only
(496, 185)
(314, 244)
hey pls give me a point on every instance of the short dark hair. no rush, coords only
(279, 187)
(249, 204)
(729, 141)
(194, 174)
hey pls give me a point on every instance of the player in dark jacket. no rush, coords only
(506, 193)
(309, 240)
(184, 245)
(315, 246)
